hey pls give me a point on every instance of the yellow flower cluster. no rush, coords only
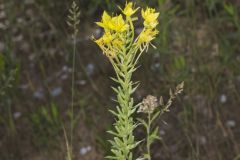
(150, 18)
(119, 31)
(128, 10)
(146, 37)
(116, 23)
(149, 32)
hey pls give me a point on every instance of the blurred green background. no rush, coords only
(199, 43)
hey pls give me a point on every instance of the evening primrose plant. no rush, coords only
(123, 49)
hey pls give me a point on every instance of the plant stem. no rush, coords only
(72, 89)
(11, 121)
(124, 140)
(148, 136)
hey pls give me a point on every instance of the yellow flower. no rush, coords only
(99, 42)
(117, 43)
(117, 31)
(150, 18)
(147, 36)
(105, 21)
(128, 10)
(107, 38)
(118, 24)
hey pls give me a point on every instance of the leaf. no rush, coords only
(135, 88)
(113, 112)
(112, 142)
(115, 89)
(181, 62)
(146, 156)
(113, 133)
(155, 115)
(111, 157)
(229, 9)
(118, 141)
(55, 112)
(154, 135)
(114, 79)
(143, 122)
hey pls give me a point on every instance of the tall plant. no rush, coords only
(123, 49)
(73, 22)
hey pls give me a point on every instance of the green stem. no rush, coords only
(72, 88)
(126, 108)
(124, 125)
(148, 136)
(11, 121)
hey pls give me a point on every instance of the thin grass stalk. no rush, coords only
(73, 21)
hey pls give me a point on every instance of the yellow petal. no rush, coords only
(150, 18)
(129, 10)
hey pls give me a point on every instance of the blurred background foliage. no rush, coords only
(199, 43)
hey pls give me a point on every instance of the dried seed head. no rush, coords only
(148, 104)
(173, 95)
(161, 102)
(179, 88)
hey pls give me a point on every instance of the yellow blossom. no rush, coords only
(99, 42)
(108, 43)
(128, 10)
(117, 43)
(107, 38)
(117, 31)
(147, 36)
(106, 18)
(118, 24)
(150, 18)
